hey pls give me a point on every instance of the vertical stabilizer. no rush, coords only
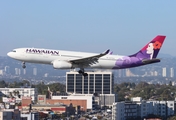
(151, 50)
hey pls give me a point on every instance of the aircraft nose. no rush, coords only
(9, 54)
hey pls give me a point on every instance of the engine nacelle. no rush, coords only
(62, 64)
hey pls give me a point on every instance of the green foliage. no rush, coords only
(3, 84)
(0, 99)
(146, 91)
(42, 88)
(16, 84)
(172, 118)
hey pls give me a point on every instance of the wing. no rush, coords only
(87, 61)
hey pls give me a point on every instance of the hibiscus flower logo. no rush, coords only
(157, 45)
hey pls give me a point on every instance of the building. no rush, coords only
(144, 109)
(19, 92)
(59, 108)
(7, 69)
(1, 72)
(34, 71)
(139, 108)
(17, 71)
(41, 99)
(163, 108)
(30, 116)
(99, 83)
(8, 114)
(24, 71)
(172, 72)
(86, 102)
(118, 111)
(130, 110)
(26, 101)
(107, 99)
(95, 82)
(164, 73)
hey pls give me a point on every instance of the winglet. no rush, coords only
(110, 52)
(106, 52)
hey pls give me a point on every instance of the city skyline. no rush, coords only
(12, 67)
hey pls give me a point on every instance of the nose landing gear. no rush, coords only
(23, 65)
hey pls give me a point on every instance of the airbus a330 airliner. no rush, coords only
(61, 59)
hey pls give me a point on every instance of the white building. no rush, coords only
(164, 74)
(6, 69)
(142, 109)
(34, 71)
(170, 108)
(19, 92)
(1, 72)
(172, 72)
(136, 99)
(118, 111)
(24, 71)
(155, 73)
(17, 71)
(30, 116)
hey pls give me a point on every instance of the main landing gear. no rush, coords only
(81, 71)
(23, 65)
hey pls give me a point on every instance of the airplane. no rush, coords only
(61, 59)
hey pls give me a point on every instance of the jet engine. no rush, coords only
(57, 64)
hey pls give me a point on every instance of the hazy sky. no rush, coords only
(87, 25)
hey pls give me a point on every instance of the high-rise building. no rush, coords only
(99, 84)
(24, 71)
(164, 72)
(46, 75)
(172, 72)
(155, 73)
(95, 82)
(140, 108)
(6, 69)
(17, 71)
(121, 73)
(1, 72)
(34, 71)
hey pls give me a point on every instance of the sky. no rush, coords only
(123, 26)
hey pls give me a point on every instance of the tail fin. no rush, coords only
(152, 49)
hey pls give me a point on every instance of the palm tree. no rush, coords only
(16, 93)
(10, 95)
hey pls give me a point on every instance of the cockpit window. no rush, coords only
(14, 51)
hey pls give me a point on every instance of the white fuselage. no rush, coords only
(47, 56)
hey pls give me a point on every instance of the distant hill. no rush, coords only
(163, 55)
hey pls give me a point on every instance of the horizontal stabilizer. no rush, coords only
(146, 61)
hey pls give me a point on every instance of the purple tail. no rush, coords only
(150, 50)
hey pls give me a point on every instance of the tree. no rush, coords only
(172, 118)
(170, 83)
